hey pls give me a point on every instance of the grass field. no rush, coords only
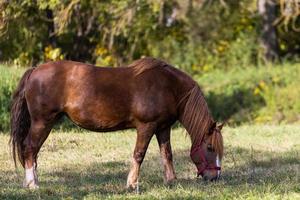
(261, 162)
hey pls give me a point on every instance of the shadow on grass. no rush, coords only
(243, 168)
(235, 104)
(72, 181)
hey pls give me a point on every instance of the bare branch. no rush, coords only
(64, 15)
(290, 11)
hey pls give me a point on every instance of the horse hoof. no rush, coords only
(31, 185)
(170, 183)
(133, 188)
(170, 179)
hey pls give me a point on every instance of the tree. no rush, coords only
(268, 38)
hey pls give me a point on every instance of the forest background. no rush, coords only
(244, 53)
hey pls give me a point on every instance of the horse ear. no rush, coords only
(220, 126)
(213, 127)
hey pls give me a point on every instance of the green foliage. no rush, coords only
(254, 94)
(223, 37)
(24, 34)
(197, 37)
(127, 29)
(9, 77)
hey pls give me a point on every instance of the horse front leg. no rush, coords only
(163, 139)
(144, 135)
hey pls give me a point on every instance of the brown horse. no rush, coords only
(149, 95)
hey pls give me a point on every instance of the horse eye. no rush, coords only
(210, 148)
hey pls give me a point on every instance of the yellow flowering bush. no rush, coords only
(103, 58)
(23, 59)
(51, 53)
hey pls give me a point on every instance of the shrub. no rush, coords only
(265, 94)
(9, 77)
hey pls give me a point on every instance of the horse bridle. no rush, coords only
(203, 164)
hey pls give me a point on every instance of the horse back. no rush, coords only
(102, 99)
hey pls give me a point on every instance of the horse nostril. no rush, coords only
(205, 178)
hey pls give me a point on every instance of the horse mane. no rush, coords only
(141, 65)
(196, 117)
(197, 120)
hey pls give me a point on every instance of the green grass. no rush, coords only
(261, 162)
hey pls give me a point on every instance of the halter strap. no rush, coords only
(198, 157)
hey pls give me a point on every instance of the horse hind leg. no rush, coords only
(38, 132)
(163, 139)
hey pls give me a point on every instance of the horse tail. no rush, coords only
(19, 119)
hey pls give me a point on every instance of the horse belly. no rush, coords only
(99, 116)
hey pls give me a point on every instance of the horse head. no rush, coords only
(208, 154)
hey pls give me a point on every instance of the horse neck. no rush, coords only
(198, 132)
(195, 116)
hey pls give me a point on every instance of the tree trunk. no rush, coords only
(268, 39)
(51, 30)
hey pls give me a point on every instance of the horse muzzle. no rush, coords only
(207, 171)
